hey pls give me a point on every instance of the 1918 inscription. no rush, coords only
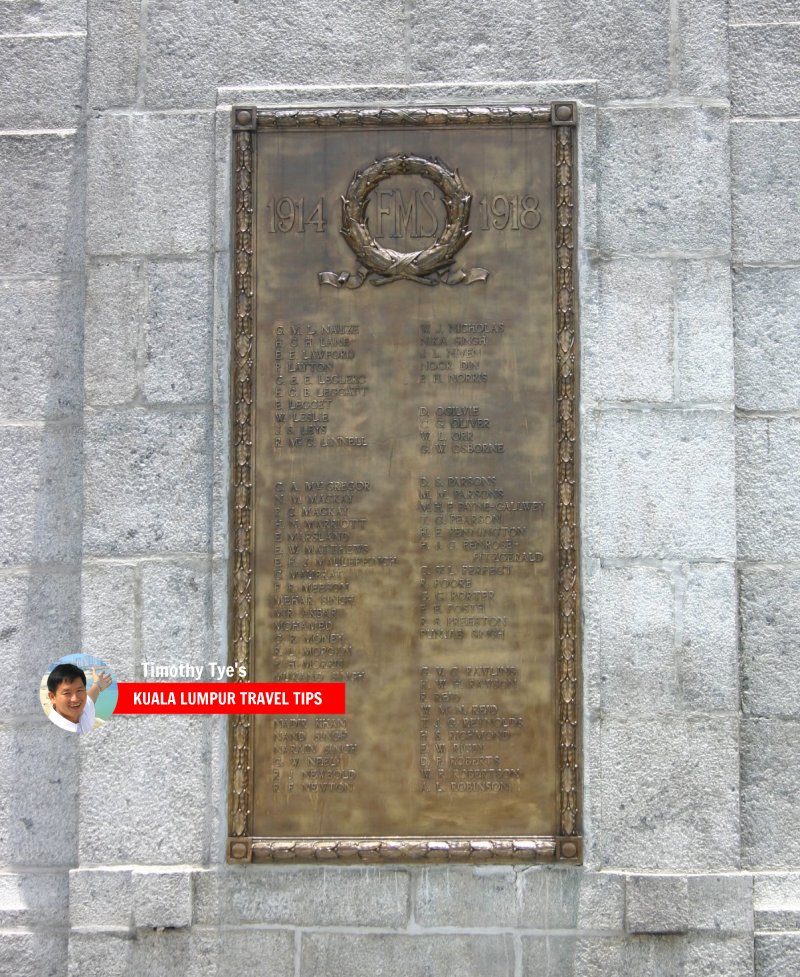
(403, 482)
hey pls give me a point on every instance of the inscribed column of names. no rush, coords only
(405, 531)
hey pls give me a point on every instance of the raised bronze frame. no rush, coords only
(567, 846)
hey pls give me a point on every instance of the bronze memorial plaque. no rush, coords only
(403, 482)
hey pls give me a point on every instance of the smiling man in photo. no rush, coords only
(73, 704)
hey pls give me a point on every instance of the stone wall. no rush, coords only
(114, 275)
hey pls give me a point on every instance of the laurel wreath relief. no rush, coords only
(381, 266)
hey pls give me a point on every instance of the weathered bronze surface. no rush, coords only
(403, 468)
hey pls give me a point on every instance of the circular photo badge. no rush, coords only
(78, 693)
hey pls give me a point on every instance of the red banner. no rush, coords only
(293, 698)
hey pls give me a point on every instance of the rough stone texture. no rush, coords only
(170, 951)
(302, 896)
(661, 639)
(668, 794)
(108, 617)
(100, 898)
(113, 53)
(720, 903)
(219, 610)
(245, 951)
(149, 184)
(767, 337)
(776, 890)
(656, 904)
(36, 954)
(479, 42)
(221, 415)
(114, 314)
(587, 151)
(99, 955)
(40, 506)
(777, 920)
(768, 516)
(333, 954)
(770, 625)
(359, 42)
(43, 319)
(46, 82)
(778, 956)
(765, 191)
(176, 615)
(42, 16)
(628, 355)
(703, 335)
(219, 497)
(709, 674)
(145, 482)
(28, 900)
(564, 956)
(660, 331)
(769, 777)
(220, 380)
(711, 957)
(469, 897)
(147, 817)
(640, 956)
(630, 625)
(39, 206)
(776, 899)
(763, 11)
(177, 332)
(702, 48)
(562, 899)
(161, 898)
(33, 832)
(625, 47)
(765, 70)
(38, 624)
(190, 954)
(218, 795)
(659, 483)
(663, 177)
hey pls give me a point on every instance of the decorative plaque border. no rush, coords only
(567, 845)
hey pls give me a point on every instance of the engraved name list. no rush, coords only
(403, 482)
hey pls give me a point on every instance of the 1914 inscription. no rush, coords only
(403, 482)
